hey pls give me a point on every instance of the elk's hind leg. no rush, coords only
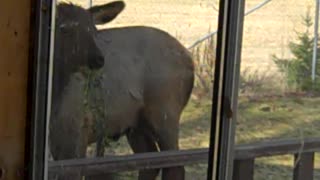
(140, 142)
(168, 139)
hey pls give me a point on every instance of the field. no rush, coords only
(266, 32)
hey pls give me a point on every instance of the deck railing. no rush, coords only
(245, 155)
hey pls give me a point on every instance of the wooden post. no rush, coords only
(89, 3)
(303, 166)
(14, 54)
(243, 169)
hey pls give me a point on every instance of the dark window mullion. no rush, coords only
(226, 88)
(38, 90)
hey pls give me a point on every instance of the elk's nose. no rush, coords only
(97, 62)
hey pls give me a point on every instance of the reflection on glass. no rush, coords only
(278, 102)
(125, 86)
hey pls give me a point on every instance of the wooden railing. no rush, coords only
(302, 150)
(245, 155)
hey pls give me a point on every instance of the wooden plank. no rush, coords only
(304, 164)
(14, 54)
(243, 169)
(277, 147)
(94, 166)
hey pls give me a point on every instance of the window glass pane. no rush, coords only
(132, 78)
(278, 103)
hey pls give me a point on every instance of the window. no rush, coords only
(124, 88)
(277, 123)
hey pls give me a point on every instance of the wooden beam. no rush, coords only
(277, 147)
(94, 166)
(14, 54)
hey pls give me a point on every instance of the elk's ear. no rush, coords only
(105, 13)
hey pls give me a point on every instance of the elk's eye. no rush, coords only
(64, 29)
(68, 28)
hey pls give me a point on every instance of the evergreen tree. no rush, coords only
(298, 69)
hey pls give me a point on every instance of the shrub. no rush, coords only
(204, 60)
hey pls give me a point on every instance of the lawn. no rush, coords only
(259, 120)
(278, 118)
